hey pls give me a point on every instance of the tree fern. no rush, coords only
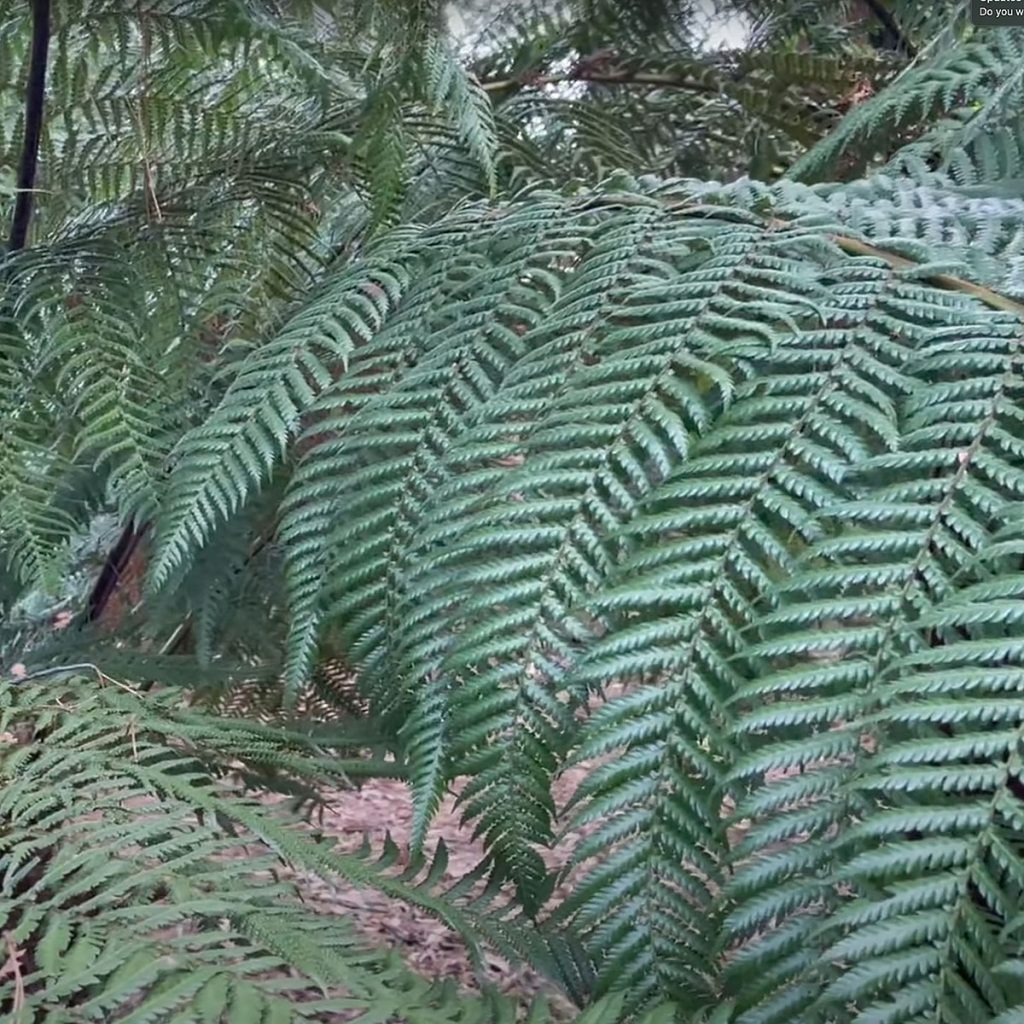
(747, 451)
(686, 447)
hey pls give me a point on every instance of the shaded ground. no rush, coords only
(384, 806)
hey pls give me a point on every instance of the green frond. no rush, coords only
(956, 96)
(234, 451)
(947, 819)
(709, 551)
(452, 92)
(848, 618)
(123, 893)
(931, 221)
(673, 523)
(382, 154)
(34, 528)
(665, 437)
(97, 346)
(496, 400)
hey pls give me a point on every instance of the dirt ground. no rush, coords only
(384, 806)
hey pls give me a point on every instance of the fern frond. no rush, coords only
(452, 92)
(471, 452)
(454, 561)
(709, 547)
(929, 221)
(99, 346)
(972, 86)
(849, 615)
(123, 893)
(233, 452)
(407, 357)
(744, 455)
(945, 873)
(34, 529)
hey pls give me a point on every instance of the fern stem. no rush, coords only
(948, 282)
(110, 574)
(606, 78)
(34, 100)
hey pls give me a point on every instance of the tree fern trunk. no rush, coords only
(35, 95)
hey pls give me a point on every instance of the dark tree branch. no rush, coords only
(110, 575)
(884, 17)
(34, 100)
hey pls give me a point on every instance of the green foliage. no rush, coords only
(136, 886)
(579, 94)
(704, 496)
(173, 127)
(656, 439)
(955, 113)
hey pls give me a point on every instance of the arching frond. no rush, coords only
(969, 90)
(655, 440)
(135, 887)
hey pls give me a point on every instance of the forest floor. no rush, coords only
(383, 807)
